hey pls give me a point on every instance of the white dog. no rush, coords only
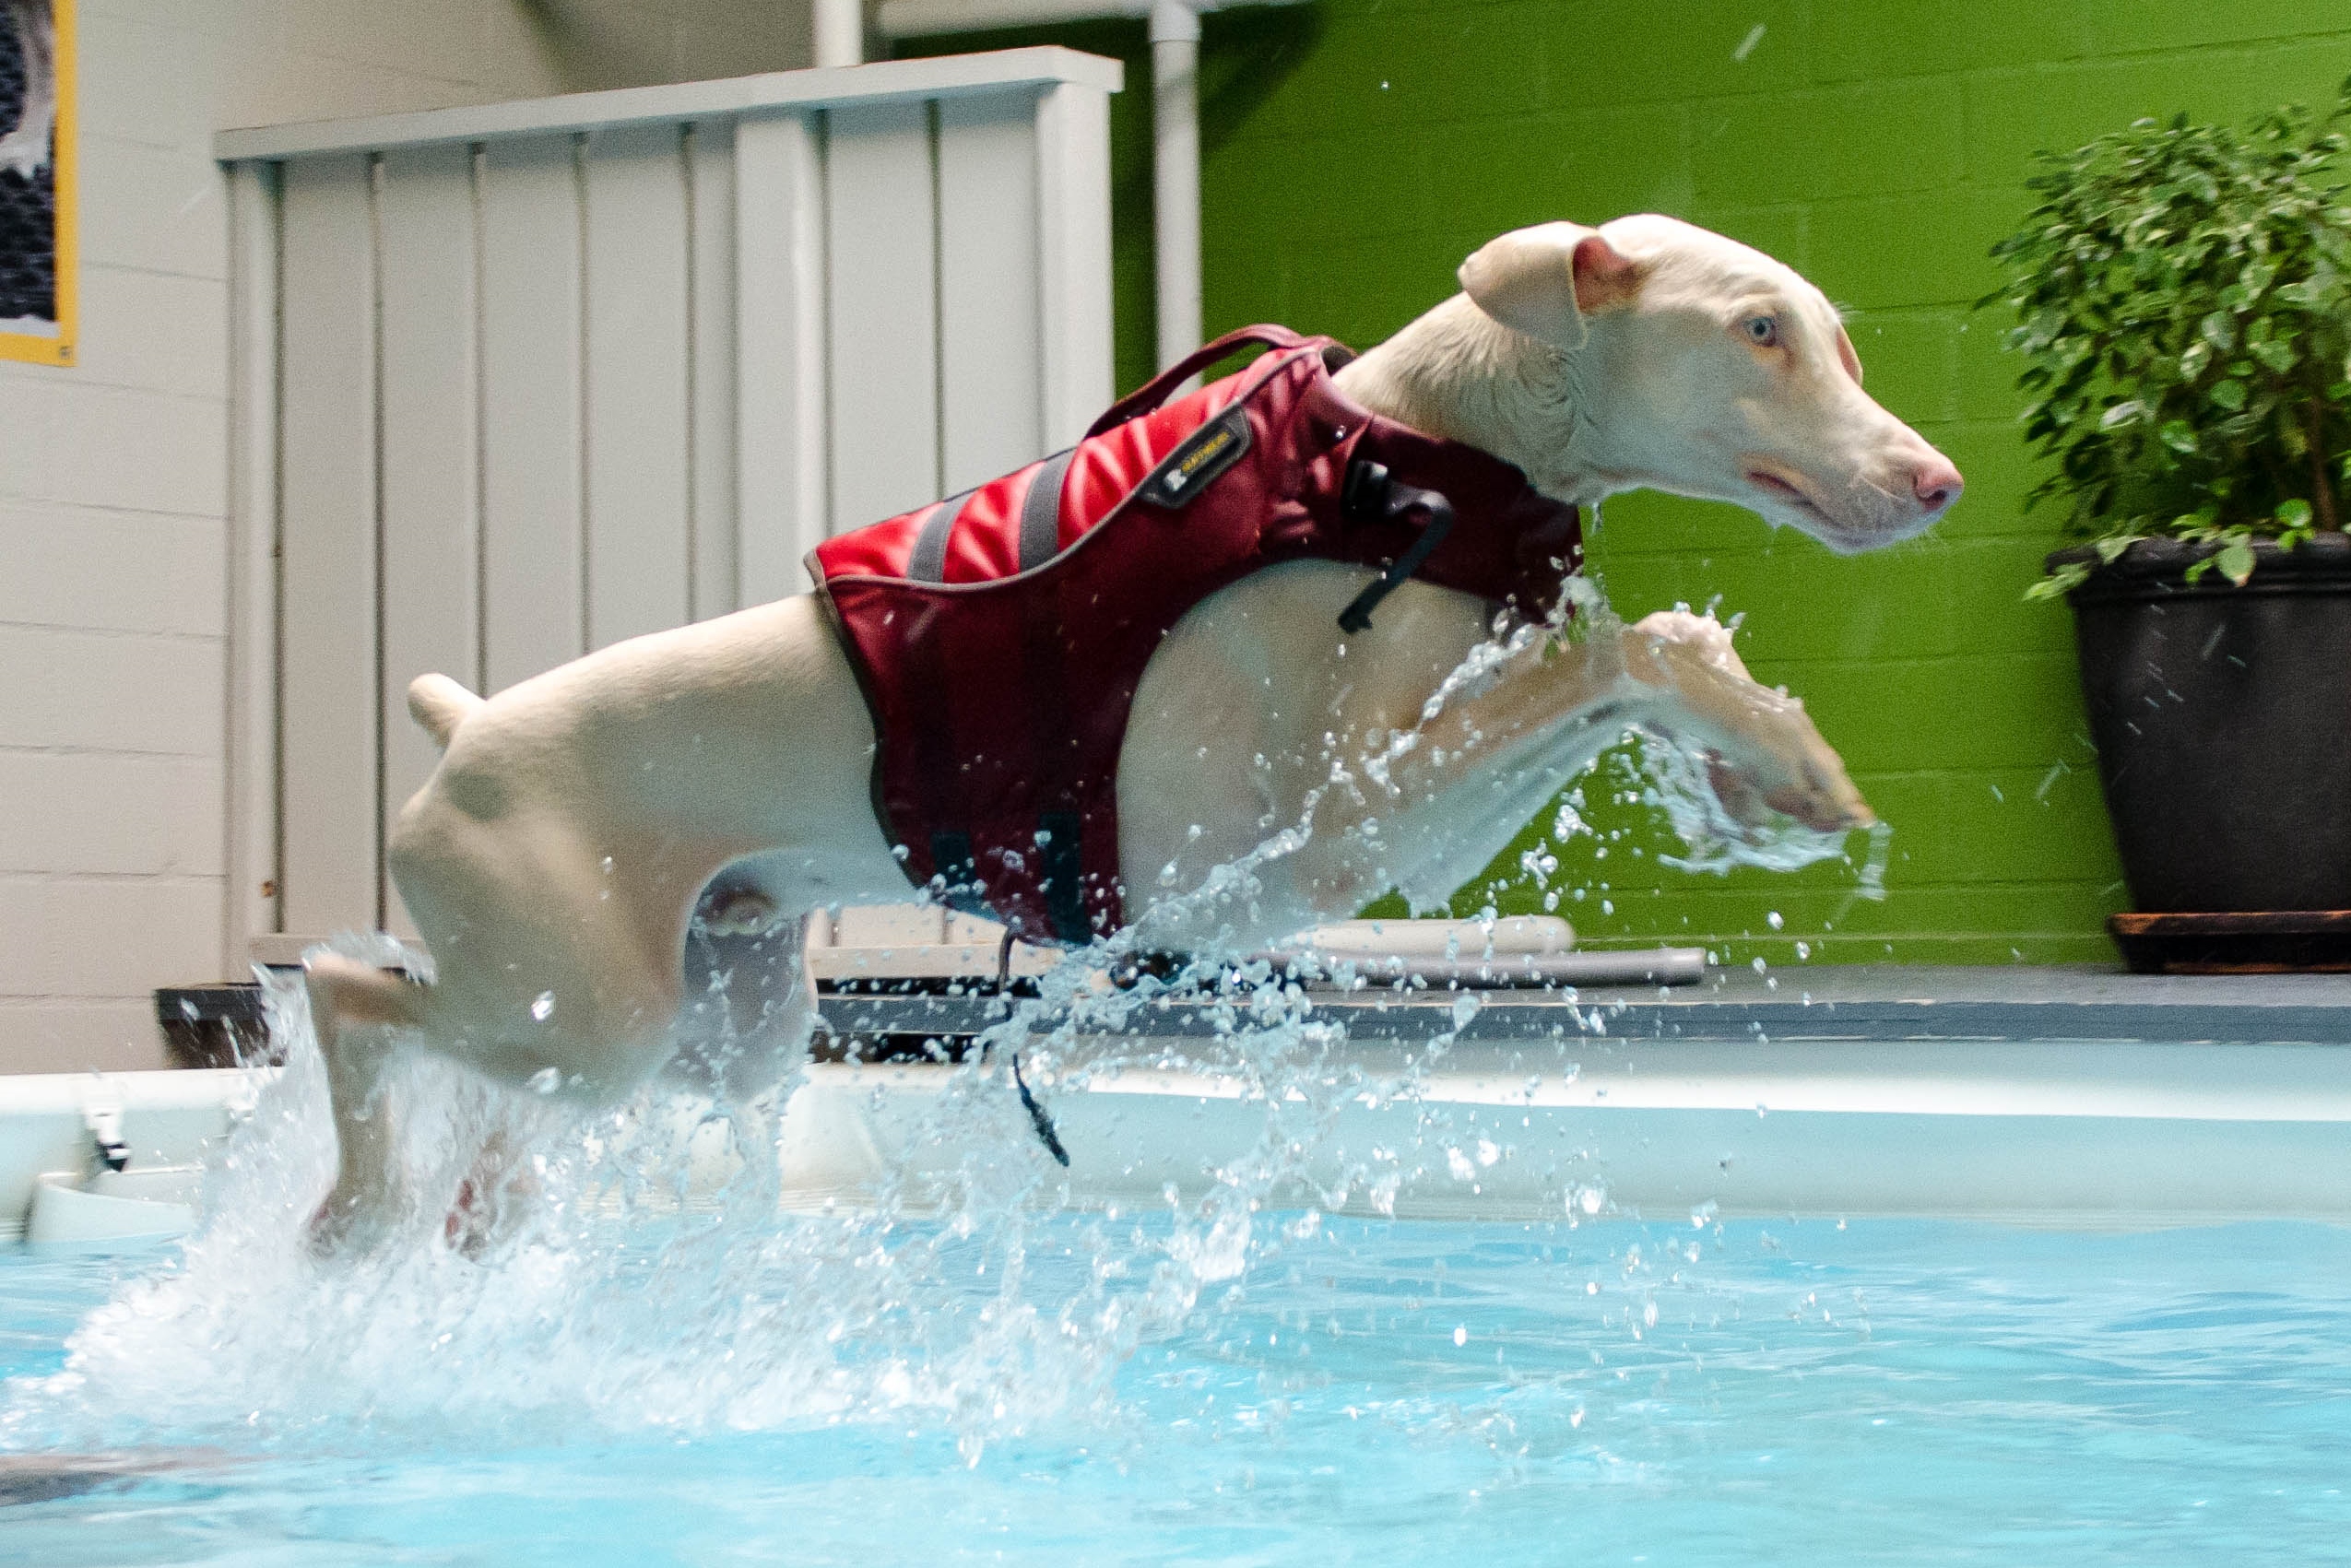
(556, 861)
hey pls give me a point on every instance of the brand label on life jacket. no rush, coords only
(1206, 453)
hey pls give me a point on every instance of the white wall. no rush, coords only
(112, 474)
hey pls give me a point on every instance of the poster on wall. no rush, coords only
(36, 181)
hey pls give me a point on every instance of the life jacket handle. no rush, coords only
(1156, 390)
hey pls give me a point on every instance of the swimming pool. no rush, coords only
(1365, 1392)
(1615, 1318)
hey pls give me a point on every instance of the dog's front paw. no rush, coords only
(1687, 628)
(1800, 778)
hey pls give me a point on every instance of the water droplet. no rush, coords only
(1461, 1334)
(547, 1080)
(544, 1008)
(1774, 921)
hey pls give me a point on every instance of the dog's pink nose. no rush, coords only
(1936, 483)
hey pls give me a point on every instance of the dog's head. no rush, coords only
(1706, 369)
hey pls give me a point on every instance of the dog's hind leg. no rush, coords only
(356, 1009)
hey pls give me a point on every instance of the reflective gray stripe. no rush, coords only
(928, 563)
(1041, 511)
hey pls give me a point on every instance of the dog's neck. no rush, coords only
(1459, 374)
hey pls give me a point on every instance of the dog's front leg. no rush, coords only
(1454, 793)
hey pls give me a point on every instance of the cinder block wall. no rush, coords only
(1355, 150)
(112, 476)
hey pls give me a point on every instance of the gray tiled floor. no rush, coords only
(1825, 1002)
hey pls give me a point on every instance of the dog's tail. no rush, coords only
(439, 704)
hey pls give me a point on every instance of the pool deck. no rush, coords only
(2048, 1096)
(1817, 1003)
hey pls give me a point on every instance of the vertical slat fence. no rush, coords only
(551, 375)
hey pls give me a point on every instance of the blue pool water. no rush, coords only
(1364, 1391)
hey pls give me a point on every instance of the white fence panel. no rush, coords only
(714, 586)
(881, 316)
(781, 464)
(639, 552)
(330, 787)
(550, 375)
(431, 524)
(988, 331)
(533, 614)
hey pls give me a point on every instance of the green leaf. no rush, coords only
(2236, 560)
(2294, 514)
(2177, 435)
(2228, 394)
(2277, 356)
(2060, 583)
(2128, 412)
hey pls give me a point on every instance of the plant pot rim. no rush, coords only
(2158, 566)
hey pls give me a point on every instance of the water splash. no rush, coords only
(653, 1280)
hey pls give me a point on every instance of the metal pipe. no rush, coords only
(1176, 175)
(840, 28)
(1175, 123)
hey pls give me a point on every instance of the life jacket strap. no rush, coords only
(1371, 495)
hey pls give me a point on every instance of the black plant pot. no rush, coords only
(2222, 716)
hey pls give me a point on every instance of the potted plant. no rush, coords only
(2183, 298)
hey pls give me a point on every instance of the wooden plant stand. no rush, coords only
(2268, 942)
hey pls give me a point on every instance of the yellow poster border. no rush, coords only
(65, 177)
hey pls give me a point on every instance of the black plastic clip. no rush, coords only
(1371, 496)
(1038, 1119)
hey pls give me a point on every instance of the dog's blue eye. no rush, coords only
(1762, 331)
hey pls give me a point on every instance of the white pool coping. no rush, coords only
(2081, 1133)
(2071, 1133)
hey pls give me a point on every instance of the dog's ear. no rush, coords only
(1543, 281)
(1844, 355)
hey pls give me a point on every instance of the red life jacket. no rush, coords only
(999, 635)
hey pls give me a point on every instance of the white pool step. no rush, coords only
(113, 1206)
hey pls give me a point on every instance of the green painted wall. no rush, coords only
(1355, 150)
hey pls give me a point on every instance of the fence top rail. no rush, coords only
(950, 75)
